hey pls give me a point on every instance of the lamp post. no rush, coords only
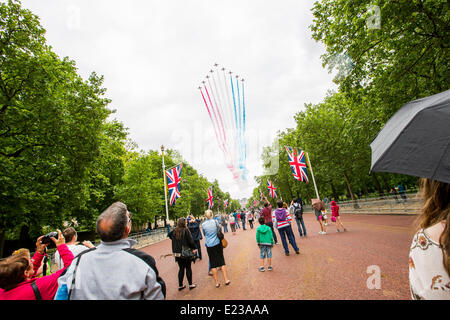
(165, 190)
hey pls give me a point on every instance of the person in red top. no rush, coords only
(266, 212)
(335, 215)
(17, 273)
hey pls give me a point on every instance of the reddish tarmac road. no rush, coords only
(331, 266)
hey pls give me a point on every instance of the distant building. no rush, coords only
(243, 202)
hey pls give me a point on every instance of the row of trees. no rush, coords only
(61, 157)
(386, 53)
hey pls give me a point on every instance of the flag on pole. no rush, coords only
(272, 189)
(298, 164)
(173, 183)
(210, 199)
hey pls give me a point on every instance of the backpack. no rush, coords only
(298, 210)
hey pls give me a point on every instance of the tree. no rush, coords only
(50, 123)
(403, 58)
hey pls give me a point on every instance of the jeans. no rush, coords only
(270, 224)
(199, 249)
(250, 222)
(300, 225)
(287, 232)
(237, 224)
(225, 228)
(243, 224)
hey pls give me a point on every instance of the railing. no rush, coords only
(146, 238)
(393, 204)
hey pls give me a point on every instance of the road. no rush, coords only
(331, 266)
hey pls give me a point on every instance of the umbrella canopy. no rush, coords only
(416, 140)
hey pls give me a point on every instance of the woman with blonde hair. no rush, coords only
(214, 247)
(429, 257)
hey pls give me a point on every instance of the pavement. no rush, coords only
(335, 266)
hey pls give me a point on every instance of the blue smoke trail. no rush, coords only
(243, 120)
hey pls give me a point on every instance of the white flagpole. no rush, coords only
(312, 175)
(165, 190)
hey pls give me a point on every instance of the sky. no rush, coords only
(154, 54)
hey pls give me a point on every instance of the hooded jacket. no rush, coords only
(334, 209)
(264, 235)
(46, 285)
(282, 217)
(114, 271)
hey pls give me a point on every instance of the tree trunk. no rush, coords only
(2, 242)
(366, 192)
(386, 185)
(24, 238)
(349, 188)
(377, 184)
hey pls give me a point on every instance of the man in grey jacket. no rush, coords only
(113, 270)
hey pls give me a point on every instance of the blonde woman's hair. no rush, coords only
(209, 214)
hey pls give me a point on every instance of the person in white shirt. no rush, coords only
(429, 257)
(70, 235)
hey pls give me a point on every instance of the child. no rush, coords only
(325, 217)
(264, 239)
(335, 215)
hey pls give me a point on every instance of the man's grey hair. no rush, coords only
(116, 217)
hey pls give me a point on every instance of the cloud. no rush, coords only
(154, 54)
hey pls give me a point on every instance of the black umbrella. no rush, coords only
(416, 140)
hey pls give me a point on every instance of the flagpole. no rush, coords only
(165, 190)
(312, 174)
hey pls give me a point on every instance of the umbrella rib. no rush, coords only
(440, 160)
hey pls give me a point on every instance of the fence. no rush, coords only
(146, 238)
(395, 204)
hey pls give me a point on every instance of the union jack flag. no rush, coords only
(225, 203)
(173, 183)
(272, 189)
(210, 199)
(298, 164)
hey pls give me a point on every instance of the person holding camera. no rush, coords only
(17, 272)
(71, 237)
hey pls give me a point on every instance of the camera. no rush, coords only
(46, 239)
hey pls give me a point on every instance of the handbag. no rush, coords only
(221, 237)
(224, 242)
(187, 254)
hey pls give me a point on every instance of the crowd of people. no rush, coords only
(114, 270)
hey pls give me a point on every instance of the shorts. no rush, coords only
(265, 251)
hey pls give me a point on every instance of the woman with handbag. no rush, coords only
(214, 247)
(184, 251)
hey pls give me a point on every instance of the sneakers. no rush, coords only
(297, 252)
(322, 232)
(269, 268)
(338, 230)
(261, 269)
(345, 230)
(286, 253)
